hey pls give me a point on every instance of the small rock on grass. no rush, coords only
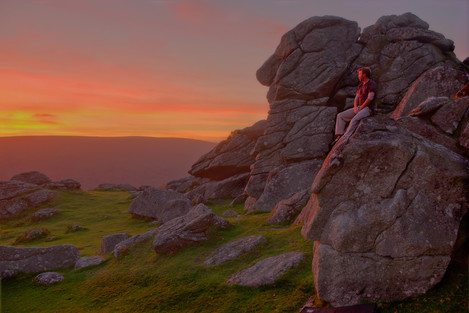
(48, 278)
(89, 261)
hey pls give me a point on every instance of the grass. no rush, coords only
(144, 281)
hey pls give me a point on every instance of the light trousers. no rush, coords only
(349, 116)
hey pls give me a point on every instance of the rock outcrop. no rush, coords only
(388, 201)
(30, 260)
(162, 205)
(266, 271)
(196, 226)
(29, 190)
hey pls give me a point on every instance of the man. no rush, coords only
(363, 106)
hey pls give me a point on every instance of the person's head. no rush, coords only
(364, 71)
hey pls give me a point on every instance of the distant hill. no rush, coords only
(94, 160)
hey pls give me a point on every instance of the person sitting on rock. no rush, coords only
(363, 106)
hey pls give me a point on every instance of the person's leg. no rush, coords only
(342, 119)
(355, 120)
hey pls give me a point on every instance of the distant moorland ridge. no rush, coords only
(94, 160)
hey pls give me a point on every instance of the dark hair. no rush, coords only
(366, 71)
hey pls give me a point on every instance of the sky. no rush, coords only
(174, 68)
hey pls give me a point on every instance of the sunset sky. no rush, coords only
(162, 68)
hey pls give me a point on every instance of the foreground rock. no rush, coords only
(384, 215)
(109, 242)
(49, 278)
(267, 271)
(162, 205)
(196, 226)
(286, 210)
(234, 249)
(228, 188)
(29, 260)
(123, 246)
(89, 261)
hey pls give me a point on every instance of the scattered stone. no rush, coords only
(234, 249)
(109, 242)
(197, 225)
(34, 259)
(32, 235)
(89, 261)
(163, 205)
(44, 214)
(230, 213)
(266, 272)
(49, 278)
(33, 177)
(74, 228)
(125, 245)
(154, 223)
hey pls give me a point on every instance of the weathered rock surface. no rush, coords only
(49, 278)
(285, 182)
(231, 187)
(11, 189)
(286, 210)
(8, 274)
(195, 226)
(31, 260)
(186, 184)
(381, 201)
(442, 81)
(109, 242)
(33, 177)
(39, 197)
(230, 213)
(266, 272)
(234, 249)
(163, 205)
(89, 261)
(128, 243)
(230, 157)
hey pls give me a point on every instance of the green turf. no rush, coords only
(144, 281)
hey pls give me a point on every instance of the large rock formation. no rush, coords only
(385, 205)
(389, 201)
(312, 76)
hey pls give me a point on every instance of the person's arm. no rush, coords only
(355, 105)
(371, 96)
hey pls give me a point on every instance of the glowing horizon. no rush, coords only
(157, 68)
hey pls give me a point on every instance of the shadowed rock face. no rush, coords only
(389, 201)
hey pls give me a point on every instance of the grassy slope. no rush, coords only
(146, 282)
